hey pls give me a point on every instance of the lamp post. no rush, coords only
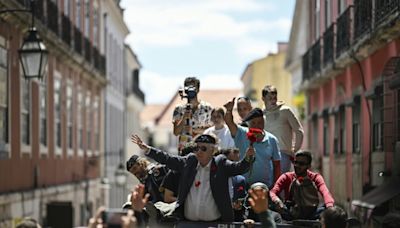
(33, 53)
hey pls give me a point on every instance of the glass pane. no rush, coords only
(3, 88)
(3, 57)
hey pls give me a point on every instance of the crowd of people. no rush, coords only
(224, 170)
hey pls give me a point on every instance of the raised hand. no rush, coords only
(258, 200)
(229, 105)
(138, 141)
(250, 152)
(138, 198)
(129, 220)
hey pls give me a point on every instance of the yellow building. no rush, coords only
(268, 71)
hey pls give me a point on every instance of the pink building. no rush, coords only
(351, 76)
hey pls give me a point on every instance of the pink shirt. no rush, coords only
(284, 181)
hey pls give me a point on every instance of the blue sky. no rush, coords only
(213, 40)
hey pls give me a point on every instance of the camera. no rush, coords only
(190, 92)
(112, 217)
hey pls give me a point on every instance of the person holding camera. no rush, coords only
(193, 117)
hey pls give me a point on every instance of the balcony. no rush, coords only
(96, 58)
(329, 44)
(66, 29)
(52, 20)
(385, 9)
(316, 57)
(306, 65)
(77, 40)
(362, 17)
(343, 31)
(102, 64)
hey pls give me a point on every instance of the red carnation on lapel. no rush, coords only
(197, 184)
(213, 168)
(300, 179)
(240, 188)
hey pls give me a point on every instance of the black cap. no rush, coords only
(205, 139)
(131, 161)
(254, 113)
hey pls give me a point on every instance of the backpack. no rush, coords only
(304, 194)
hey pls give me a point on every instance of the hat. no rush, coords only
(259, 185)
(131, 161)
(205, 138)
(254, 113)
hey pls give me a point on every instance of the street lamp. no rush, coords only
(33, 53)
(120, 175)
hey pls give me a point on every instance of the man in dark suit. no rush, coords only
(203, 192)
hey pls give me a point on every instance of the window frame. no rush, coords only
(5, 144)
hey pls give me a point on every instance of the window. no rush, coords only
(78, 14)
(377, 121)
(87, 18)
(341, 6)
(70, 115)
(67, 5)
(57, 113)
(314, 133)
(339, 140)
(80, 121)
(328, 14)
(25, 109)
(3, 93)
(356, 126)
(95, 27)
(326, 134)
(96, 125)
(317, 18)
(43, 112)
(89, 121)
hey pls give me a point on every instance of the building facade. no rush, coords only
(350, 77)
(268, 71)
(114, 32)
(50, 140)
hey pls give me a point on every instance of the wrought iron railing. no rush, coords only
(329, 44)
(306, 65)
(316, 57)
(39, 10)
(52, 13)
(384, 9)
(103, 64)
(66, 29)
(88, 50)
(362, 17)
(343, 31)
(77, 40)
(96, 58)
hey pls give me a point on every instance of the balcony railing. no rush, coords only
(66, 29)
(329, 44)
(96, 58)
(102, 64)
(39, 10)
(384, 9)
(52, 20)
(77, 40)
(316, 57)
(343, 31)
(306, 65)
(88, 50)
(362, 17)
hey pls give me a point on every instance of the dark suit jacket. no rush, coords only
(221, 169)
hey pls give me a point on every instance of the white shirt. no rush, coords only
(224, 136)
(200, 204)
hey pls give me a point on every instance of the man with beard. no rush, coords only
(311, 184)
(283, 124)
(149, 174)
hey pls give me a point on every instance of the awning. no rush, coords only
(379, 195)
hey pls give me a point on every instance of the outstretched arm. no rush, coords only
(171, 161)
(237, 168)
(229, 117)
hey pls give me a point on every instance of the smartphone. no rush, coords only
(112, 217)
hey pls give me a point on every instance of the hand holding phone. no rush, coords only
(112, 217)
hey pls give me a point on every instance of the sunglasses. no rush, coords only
(299, 163)
(200, 148)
